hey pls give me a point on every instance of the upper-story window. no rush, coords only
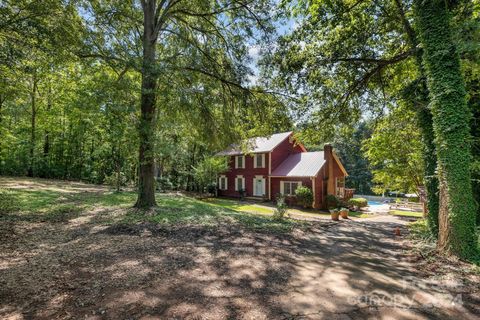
(223, 183)
(259, 160)
(240, 162)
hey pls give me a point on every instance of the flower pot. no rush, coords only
(344, 213)
(334, 215)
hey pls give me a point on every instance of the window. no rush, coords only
(288, 187)
(239, 183)
(259, 161)
(222, 183)
(340, 186)
(239, 162)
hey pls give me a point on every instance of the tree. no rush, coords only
(191, 48)
(207, 171)
(451, 119)
(394, 149)
(348, 142)
(347, 59)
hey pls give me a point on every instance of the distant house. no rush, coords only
(279, 164)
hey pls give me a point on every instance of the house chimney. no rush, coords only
(328, 154)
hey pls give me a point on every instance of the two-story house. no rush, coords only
(279, 164)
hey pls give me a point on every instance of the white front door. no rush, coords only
(259, 187)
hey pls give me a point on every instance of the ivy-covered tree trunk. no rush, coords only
(146, 181)
(451, 119)
(417, 94)
(430, 164)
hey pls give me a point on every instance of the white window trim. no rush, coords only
(243, 182)
(282, 191)
(236, 162)
(255, 160)
(220, 183)
(264, 185)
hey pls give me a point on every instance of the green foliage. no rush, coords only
(451, 119)
(332, 201)
(348, 141)
(280, 208)
(394, 149)
(420, 230)
(164, 184)
(207, 171)
(358, 202)
(304, 196)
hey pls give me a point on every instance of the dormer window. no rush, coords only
(240, 162)
(259, 160)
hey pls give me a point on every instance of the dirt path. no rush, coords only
(353, 269)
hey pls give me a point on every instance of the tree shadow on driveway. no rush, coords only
(352, 269)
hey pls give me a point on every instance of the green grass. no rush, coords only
(238, 206)
(185, 210)
(406, 213)
(359, 214)
(419, 230)
(54, 205)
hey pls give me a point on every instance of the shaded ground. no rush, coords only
(95, 265)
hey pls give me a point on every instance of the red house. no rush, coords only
(279, 164)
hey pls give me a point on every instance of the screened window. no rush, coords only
(239, 183)
(239, 162)
(223, 183)
(260, 160)
(289, 187)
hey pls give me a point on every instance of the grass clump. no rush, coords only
(61, 213)
(8, 202)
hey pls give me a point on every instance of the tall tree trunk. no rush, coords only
(33, 103)
(46, 143)
(420, 100)
(451, 119)
(146, 182)
(430, 167)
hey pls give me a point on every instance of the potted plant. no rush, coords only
(334, 213)
(344, 213)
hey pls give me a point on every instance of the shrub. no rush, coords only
(242, 193)
(332, 201)
(164, 184)
(281, 208)
(304, 196)
(116, 180)
(358, 202)
(212, 188)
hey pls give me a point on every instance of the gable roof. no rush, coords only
(257, 145)
(303, 164)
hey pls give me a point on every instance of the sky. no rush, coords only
(282, 28)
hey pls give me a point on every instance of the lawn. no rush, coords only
(267, 210)
(53, 204)
(406, 213)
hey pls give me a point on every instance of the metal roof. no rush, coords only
(257, 145)
(303, 164)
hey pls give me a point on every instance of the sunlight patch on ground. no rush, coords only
(406, 213)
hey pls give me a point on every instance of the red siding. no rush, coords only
(248, 173)
(281, 152)
(307, 182)
(278, 155)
